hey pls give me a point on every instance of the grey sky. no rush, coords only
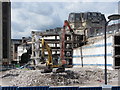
(28, 16)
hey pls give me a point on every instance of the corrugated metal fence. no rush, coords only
(56, 88)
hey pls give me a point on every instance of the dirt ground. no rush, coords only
(72, 77)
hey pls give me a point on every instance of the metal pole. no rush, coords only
(81, 56)
(106, 52)
(105, 56)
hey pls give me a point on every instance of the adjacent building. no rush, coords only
(14, 48)
(5, 31)
(92, 54)
(22, 47)
(89, 24)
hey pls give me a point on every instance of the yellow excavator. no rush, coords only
(49, 61)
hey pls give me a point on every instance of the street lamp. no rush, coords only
(111, 17)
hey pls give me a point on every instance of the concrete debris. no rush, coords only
(70, 77)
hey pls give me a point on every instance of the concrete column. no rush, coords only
(7, 21)
(32, 46)
(1, 55)
(9, 32)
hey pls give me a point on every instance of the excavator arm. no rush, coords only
(46, 46)
(66, 24)
(48, 62)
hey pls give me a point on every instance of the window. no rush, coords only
(77, 17)
(94, 14)
(71, 18)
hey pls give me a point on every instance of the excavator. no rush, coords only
(49, 63)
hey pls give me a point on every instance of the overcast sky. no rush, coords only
(29, 16)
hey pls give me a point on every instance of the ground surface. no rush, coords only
(72, 77)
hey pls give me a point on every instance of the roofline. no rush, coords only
(4, 0)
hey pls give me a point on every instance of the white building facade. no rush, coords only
(92, 55)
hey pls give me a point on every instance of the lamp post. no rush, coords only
(111, 17)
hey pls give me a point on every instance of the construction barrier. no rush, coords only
(57, 88)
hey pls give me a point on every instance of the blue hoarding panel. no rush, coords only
(34, 88)
(90, 88)
(9, 88)
(56, 88)
(64, 88)
(116, 88)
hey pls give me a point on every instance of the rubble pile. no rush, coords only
(70, 77)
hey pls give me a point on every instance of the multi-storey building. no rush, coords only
(5, 30)
(88, 23)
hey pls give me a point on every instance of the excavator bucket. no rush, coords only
(60, 70)
(47, 70)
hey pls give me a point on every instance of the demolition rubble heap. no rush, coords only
(70, 77)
